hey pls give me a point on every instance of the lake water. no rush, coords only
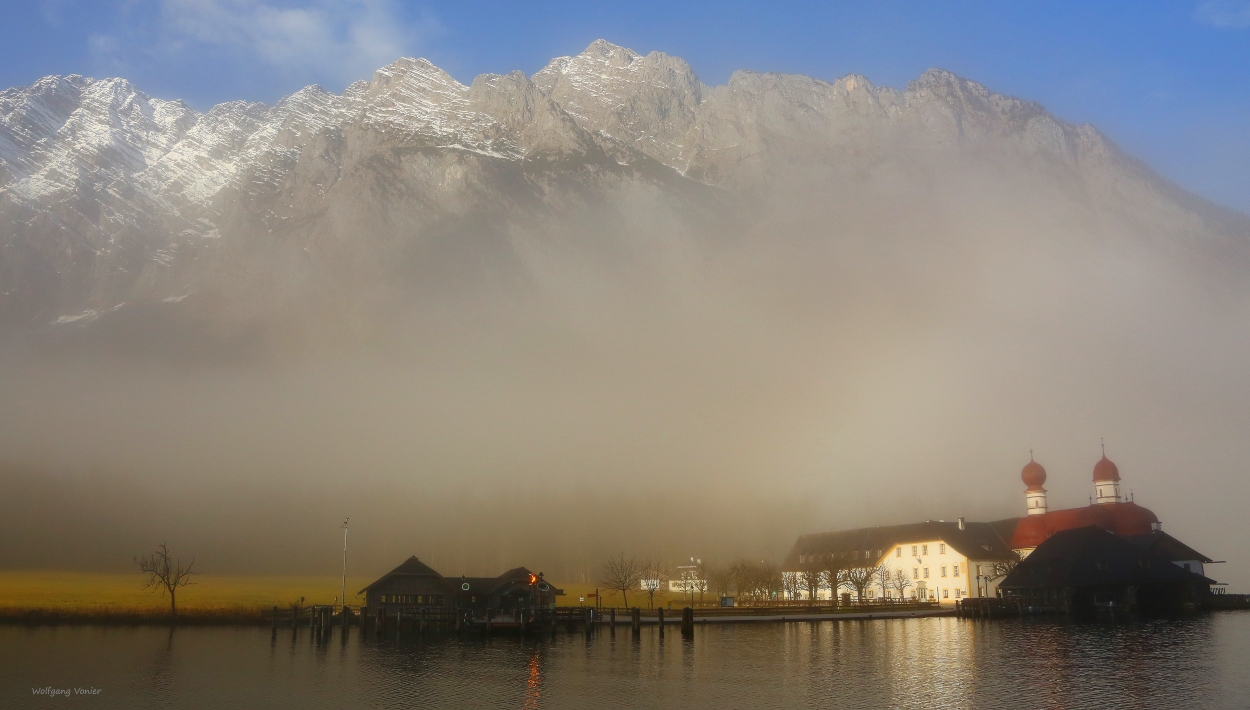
(1199, 661)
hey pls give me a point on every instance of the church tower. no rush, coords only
(1106, 480)
(1034, 476)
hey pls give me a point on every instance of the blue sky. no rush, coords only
(1169, 81)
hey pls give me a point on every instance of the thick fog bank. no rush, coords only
(848, 353)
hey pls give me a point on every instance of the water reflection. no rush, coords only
(906, 663)
(533, 683)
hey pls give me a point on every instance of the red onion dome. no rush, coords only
(1104, 470)
(1033, 475)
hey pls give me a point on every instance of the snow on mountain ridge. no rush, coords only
(64, 133)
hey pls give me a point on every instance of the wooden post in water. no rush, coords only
(612, 620)
(661, 610)
(422, 624)
(274, 618)
(489, 614)
(687, 623)
(636, 620)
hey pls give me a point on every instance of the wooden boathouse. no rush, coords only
(414, 587)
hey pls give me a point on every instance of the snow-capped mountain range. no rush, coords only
(110, 197)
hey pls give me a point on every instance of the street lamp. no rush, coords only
(343, 591)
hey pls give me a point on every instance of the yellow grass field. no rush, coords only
(121, 593)
(102, 593)
(78, 591)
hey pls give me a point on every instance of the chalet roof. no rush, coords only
(411, 567)
(1092, 556)
(980, 541)
(1164, 545)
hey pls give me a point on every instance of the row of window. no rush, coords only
(853, 555)
(920, 550)
(916, 551)
(915, 571)
(927, 594)
(434, 599)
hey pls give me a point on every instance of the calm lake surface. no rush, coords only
(1201, 661)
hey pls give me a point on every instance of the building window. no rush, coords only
(955, 570)
(946, 593)
(878, 554)
(899, 552)
(943, 570)
(915, 573)
(942, 549)
(926, 572)
(924, 549)
(913, 551)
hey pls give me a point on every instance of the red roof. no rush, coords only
(1118, 518)
(1104, 470)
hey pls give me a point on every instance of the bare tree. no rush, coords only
(859, 579)
(812, 579)
(834, 572)
(999, 569)
(901, 582)
(700, 581)
(719, 579)
(621, 573)
(792, 582)
(654, 575)
(165, 573)
(771, 581)
(882, 574)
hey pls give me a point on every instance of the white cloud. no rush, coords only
(337, 40)
(1224, 13)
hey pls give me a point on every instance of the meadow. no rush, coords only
(38, 595)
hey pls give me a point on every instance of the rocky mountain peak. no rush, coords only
(142, 180)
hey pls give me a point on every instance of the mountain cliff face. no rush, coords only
(111, 199)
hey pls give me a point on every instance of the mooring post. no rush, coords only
(661, 610)
(275, 618)
(637, 620)
(687, 623)
(612, 619)
(489, 614)
(422, 624)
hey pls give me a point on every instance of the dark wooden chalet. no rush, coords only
(414, 585)
(1085, 570)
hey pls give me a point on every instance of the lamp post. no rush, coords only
(343, 591)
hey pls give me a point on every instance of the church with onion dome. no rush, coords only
(1110, 556)
(948, 561)
(1108, 510)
